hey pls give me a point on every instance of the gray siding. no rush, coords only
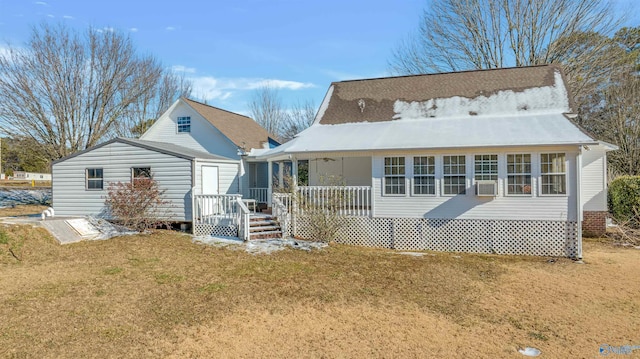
(227, 176)
(203, 136)
(71, 198)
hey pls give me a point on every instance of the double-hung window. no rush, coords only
(519, 174)
(454, 175)
(394, 176)
(94, 178)
(184, 124)
(486, 167)
(553, 173)
(424, 175)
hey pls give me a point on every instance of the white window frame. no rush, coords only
(445, 176)
(522, 173)
(88, 179)
(541, 185)
(403, 176)
(185, 126)
(483, 164)
(427, 175)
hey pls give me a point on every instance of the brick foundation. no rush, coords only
(594, 223)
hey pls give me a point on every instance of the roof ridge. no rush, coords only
(217, 108)
(447, 73)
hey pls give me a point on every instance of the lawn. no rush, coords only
(162, 295)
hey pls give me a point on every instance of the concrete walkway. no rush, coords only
(64, 229)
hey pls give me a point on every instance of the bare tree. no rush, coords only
(458, 35)
(297, 118)
(267, 109)
(69, 91)
(154, 103)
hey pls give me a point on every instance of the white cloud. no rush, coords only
(41, 3)
(133, 29)
(181, 68)
(170, 28)
(68, 17)
(279, 84)
(50, 16)
(212, 88)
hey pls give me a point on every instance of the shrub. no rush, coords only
(138, 205)
(624, 200)
(321, 212)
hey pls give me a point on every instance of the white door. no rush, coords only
(209, 180)
(209, 206)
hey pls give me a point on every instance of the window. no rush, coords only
(486, 167)
(140, 173)
(184, 124)
(94, 178)
(424, 175)
(454, 175)
(553, 173)
(394, 175)
(519, 174)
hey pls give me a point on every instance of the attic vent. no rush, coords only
(361, 104)
(488, 188)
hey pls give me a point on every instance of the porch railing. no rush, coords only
(345, 200)
(243, 218)
(261, 195)
(216, 209)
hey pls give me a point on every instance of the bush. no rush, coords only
(138, 205)
(624, 200)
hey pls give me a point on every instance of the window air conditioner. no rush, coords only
(487, 188)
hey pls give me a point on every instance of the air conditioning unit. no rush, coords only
(487, 188)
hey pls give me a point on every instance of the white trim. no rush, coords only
(565, 173)
(531, 175)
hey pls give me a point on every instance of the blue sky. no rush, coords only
(228, 48)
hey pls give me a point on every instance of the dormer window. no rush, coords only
(184, 124)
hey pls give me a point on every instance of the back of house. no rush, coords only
(480, 161)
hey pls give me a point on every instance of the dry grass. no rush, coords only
(15, 184)
(163, 296)
(22, 210)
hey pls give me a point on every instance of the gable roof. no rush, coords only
(476, 92)
(525, 106)
(162, 147)
(241, 130)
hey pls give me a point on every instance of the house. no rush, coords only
(28, 176)
(195, 152)
(478, 161)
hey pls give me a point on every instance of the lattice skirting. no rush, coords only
(521, 237)
(215, 230)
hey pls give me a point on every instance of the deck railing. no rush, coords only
(345, 200)
(216, 208)
(243, 218)
(260, 194)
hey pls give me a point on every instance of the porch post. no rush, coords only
(294, 195)
(270, 182)
(294, 172)
(281, 174)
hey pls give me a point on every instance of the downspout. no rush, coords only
(579, 202)
(270, 182)
(193, 197)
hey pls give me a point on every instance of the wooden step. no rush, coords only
(265, 235)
